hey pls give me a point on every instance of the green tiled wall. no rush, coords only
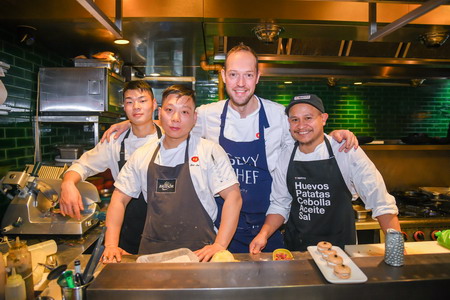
(383, 112)
(16, 127)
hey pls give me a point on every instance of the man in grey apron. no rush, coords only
(315, 183)
(179, 175)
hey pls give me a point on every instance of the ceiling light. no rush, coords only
(433, 39)
(331, 81)
(121, 42)
(288, 82)
(267, 33)
(358, 83)
(417, 82)
(154, 74)
(26, 34)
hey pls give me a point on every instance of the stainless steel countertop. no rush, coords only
(422, 277)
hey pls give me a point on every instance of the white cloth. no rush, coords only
(210, 174)
(360, 175)
(107, 155)
(239, 129)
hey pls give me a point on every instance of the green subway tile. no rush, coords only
(23, 142)
(16, 152)
(8, 142)
(36, 59)
(25, 84)
(15, 132)
(22, 63)
(14, 71)
(22, 161)
(13, 50)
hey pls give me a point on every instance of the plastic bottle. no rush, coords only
(15, 287)
(19, 258)
(2, 277)
(444, 238)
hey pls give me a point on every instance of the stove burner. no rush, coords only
(415, 204)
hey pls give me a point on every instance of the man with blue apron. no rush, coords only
(255, 185)
(135, 212)
(337, 223)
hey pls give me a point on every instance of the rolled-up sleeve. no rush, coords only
(370, 186)
(280, 198)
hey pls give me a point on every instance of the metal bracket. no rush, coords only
(99, 15)
(412, 15)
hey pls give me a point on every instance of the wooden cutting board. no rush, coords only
(411, 248)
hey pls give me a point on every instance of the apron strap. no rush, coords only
(122, 160)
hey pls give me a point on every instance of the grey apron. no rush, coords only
(321, 204)
(175, 216)
(135, 212)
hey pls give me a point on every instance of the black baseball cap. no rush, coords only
(310, 99)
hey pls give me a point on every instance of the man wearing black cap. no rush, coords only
(314, 184)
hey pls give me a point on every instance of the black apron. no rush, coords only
(321, 206)
(175, 216)
(135, 212)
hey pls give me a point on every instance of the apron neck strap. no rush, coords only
(186, 151)
(327, 143)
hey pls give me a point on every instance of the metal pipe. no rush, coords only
(100, 16)
(412, 15)
(218, 68)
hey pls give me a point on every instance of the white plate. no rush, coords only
(357, 276)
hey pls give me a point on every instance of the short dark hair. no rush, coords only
(241, 47)
(179, 90)
(140, 85)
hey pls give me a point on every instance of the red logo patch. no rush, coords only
(194, 158)
(257, 135)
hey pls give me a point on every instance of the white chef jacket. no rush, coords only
(209, 166)
(239, 129)
(106, 155)
(360, 175)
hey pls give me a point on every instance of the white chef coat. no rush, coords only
(106, 155)
(209, 166)
(360, 175)
(239, 129)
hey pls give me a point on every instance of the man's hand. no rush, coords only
(350, 139)
(70, 201)
(118, 127)
(258, 243)
(207, 252)
(113, 254)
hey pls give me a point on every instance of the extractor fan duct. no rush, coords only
(267, 33)
(433, 39)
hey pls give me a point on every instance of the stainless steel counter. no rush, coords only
(422, 277)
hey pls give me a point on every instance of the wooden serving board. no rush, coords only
(427, 247)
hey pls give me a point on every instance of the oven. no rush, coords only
(422, 213)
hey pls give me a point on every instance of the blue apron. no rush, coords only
(250, 164)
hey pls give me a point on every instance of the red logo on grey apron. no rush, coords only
(166, 185)
(194, 158)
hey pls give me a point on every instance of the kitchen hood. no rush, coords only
(309, 38)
